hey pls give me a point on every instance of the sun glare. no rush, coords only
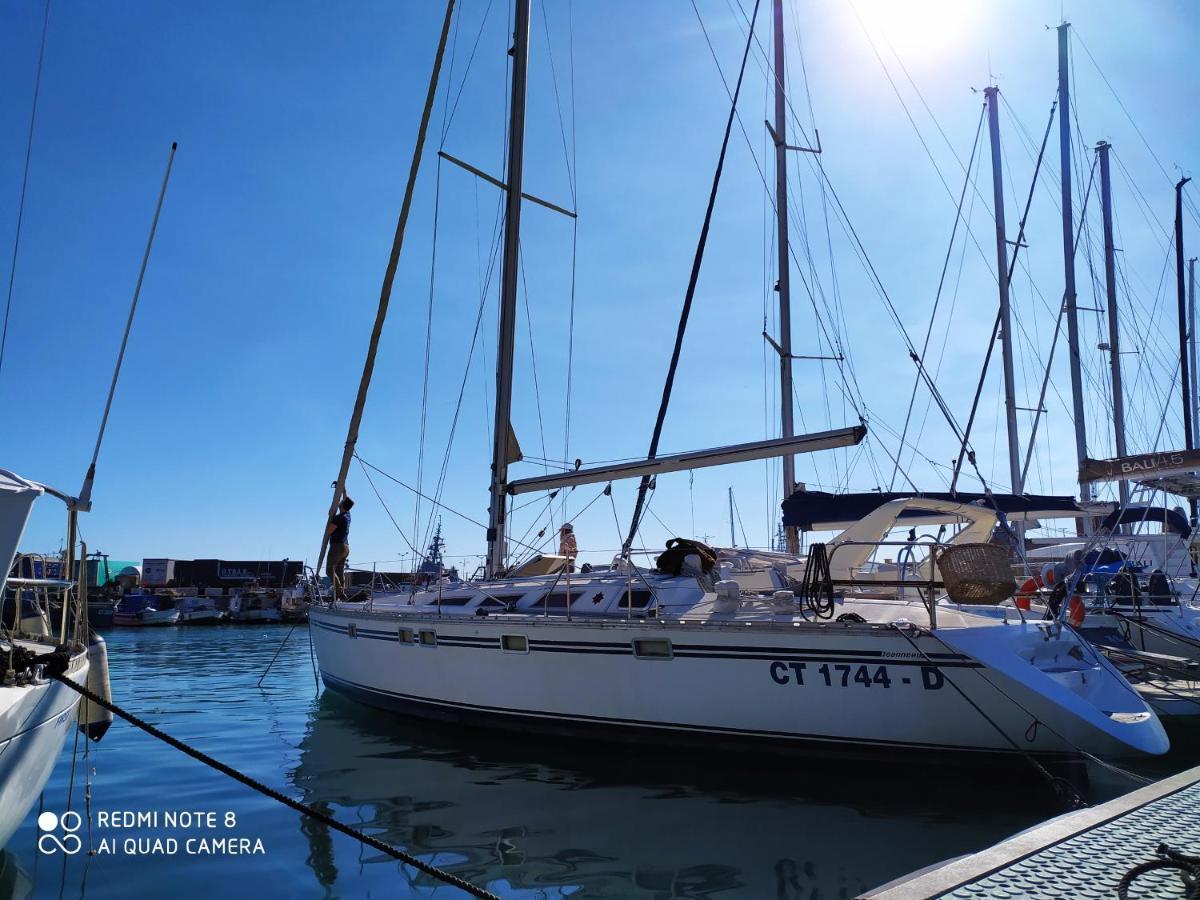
(918, 29)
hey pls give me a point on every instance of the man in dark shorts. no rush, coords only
(339, 547)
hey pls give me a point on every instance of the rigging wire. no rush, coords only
(12, 272)
(383, 503)
(941, 281)
(691, 289)
(1188, 201)
(437, 208)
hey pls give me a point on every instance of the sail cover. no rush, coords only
(1170, 519)
(822, 511)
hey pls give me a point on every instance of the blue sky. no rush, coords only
(296, 123)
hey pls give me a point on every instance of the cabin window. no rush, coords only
(514, 643)
(405, 635)
(428, 638)
(635, 599)
(461, 600)
(500, 601)
(352, 630)
(652, 648)
(556, 600)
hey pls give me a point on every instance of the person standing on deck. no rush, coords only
(566, 543)
(339, 547)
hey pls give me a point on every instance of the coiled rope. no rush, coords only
(816, 589)
(299, 807)
(1187, 866)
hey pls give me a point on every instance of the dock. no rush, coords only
(1080, 854)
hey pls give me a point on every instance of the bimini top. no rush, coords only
(822, 511)
(1170, 519)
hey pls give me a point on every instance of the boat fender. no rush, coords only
(1076, 611)
(93, 718)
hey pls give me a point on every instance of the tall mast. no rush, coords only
(501, 445)
(1192, 345)
(1110, 282)
(1188, 436)
(787, 428)
(1010, 398)
(389, 277)
(1064, 148)
(732, 537)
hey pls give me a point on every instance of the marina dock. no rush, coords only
(1079, 855)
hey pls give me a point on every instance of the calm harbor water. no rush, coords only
(528, 819)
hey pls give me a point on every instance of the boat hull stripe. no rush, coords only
(684, 651)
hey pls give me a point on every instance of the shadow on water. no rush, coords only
(598, 820)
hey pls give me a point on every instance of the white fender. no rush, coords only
(93, 718)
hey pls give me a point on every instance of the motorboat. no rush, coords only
(199, 611)
(38, 712)
(144, 610)
(293, 604)
(255, 608)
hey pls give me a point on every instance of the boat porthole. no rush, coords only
(428, 638)
(514, 643)
(405, 637)
(652, 648)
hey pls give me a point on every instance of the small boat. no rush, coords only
(293, 604)
(100, 613)
(37, 712)
(144, 610)
(255, 608)
(199, 611)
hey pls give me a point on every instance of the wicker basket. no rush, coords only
(976, 573)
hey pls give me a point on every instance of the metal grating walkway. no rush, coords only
(1078, 856)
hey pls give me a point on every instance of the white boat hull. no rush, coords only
(807, 688)
(146, 618)
(35, 721)
(1171, 631)
(202, 617)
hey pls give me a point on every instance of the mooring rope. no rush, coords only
(299, 807)
(1187, 866)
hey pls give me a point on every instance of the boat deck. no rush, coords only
(1079, 855)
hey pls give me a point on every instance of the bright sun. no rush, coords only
(919, 29)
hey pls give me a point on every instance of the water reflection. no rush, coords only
(558, 820)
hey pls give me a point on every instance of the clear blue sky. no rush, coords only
(296, 123)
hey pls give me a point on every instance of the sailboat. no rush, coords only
(681, 652)
(37, 712)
